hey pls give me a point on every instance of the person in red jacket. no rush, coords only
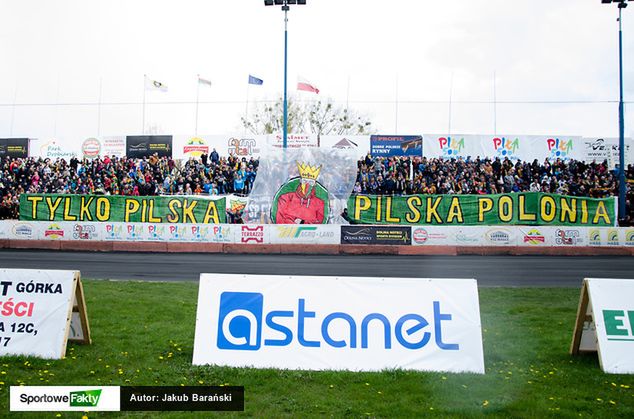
(301, 205)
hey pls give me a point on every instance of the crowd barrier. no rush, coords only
(330, 234)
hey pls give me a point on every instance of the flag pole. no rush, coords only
(197, 101)
(143, 113)
(99, 108)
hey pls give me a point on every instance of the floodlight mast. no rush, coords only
(622, 185)
(285, 8)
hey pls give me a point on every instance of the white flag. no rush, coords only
(204, 82)
(155, 85)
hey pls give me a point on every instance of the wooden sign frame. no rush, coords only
(78, 307)
(584, 322)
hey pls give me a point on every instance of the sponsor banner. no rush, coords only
(358, 145)
(304, 234)
(396, 145)
(568, 236)
(86, 231)
(153, 209)
(113, 146)
(499, 236)
(322, 323)
(604, 237)
(433, 236)
(251, 234)
(143, 146)
(6, 228)
(55, 231)
(91, 148)
(295, 140)
(513, 147)
(600, 149)
(57, 149)
(14, 147)
(194, 147)
(17, 230)
(469, 236)
(392, 235)
(225, 145)
(611, 302)
(64, 398)
(36, 307)
(534, 236)
(527, 208)
(245, 146)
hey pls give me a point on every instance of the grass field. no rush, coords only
(143, 334)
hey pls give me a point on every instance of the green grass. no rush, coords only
(143, 334)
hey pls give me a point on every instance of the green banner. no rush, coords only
(528, 208)
(116, 208)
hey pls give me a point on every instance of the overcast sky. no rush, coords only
(393, 61)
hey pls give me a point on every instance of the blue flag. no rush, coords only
(255, 80)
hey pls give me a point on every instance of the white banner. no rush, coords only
(35, 311)
(64, 398)
(612, 304)
(304, 234)
(328, 323)
(423, 235)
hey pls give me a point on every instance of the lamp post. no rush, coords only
(622, 186)
(285, 7)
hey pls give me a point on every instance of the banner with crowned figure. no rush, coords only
(301, 186)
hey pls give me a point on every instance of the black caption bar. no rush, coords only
(191, 398)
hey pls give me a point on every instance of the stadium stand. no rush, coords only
(233, 175)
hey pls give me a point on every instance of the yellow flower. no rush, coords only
(485, 403)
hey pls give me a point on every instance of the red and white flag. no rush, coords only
(302, 84)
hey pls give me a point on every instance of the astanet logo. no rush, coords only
(242, 322)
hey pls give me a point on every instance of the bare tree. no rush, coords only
(320, 117)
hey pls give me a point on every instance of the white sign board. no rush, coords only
(329, 323)
(304, 234)
(605, 323)
(35, 311)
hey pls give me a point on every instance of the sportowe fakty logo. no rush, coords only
(82, 398)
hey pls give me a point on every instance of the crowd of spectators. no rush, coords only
(405, 176)
(211, 175)
(215, 175)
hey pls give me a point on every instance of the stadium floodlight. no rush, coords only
(622, 186)
(285, 7)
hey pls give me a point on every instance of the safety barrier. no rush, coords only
(330, 239)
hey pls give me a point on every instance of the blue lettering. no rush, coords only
(280, 328)
(339, 343)
(386, 327)
(438, 330)
(301, 315)
(240, 326)
(422, 323)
